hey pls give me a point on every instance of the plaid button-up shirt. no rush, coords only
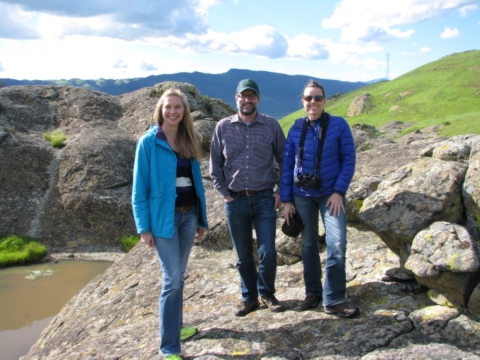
(242, 155)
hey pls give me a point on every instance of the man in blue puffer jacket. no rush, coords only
(318, 166)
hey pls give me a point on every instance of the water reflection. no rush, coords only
(30, 296)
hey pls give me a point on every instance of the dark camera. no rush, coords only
(307, 181)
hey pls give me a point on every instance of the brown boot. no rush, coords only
(272, 303)
(246, 307)
(345, 309)
(310, 302)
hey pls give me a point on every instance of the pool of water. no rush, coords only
(30, 296)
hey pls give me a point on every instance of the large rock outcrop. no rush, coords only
(79, 195)
(411, 198)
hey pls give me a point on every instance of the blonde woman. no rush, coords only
(169, 206)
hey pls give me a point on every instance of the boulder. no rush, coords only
(413, 197)
(432, 319)
(474, 302)
(358, 105)
(443, 257)
(384, 159)
(357, 192)
(471, 194)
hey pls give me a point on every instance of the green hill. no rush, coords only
(446, 92)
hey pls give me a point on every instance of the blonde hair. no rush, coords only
(188, 140)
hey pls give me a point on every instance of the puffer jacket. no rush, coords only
(154, 187)
(337, 164)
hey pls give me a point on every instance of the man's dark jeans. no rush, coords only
(242, 212)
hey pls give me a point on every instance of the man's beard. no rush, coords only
(248, 112)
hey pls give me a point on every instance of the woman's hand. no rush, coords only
(335, 204)
(287, 212)
(277, 200)
(147, 239)
(200, 232)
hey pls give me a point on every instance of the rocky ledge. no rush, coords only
(116, 315)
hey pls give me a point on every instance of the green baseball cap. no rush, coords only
(247, 84)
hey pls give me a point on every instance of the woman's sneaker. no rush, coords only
(345, 310)
(187, 332)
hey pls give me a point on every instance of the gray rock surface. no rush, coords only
(443, 257)
(471, 195)
(116, 315)
(411, 198)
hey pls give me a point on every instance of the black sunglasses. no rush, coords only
(317, 98)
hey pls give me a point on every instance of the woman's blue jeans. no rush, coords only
(241, 213)
(336, 238)
(173, 255)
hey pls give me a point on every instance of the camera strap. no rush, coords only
(324, 120)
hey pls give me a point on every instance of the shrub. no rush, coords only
(15, 250)
(56, 138)
(129, 242)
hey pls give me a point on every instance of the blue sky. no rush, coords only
(347, 40)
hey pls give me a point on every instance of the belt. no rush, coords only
(245, 192)
(184, 208)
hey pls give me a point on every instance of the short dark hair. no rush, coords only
(313, 83)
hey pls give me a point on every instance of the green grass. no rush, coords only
(446, 91)
(16, 250)
(56, 138)
(129, 242)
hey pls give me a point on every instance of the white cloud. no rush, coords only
(375, 22)
(449, 33)
(1, 67)
(147, 67)
(307, 47)
(207, 3)
(464, 10)
(259, 40)
(350, 53)
(12, 20)
(425, 50)
(128, 20)
(120, 64)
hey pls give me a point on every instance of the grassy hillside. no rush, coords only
(446, 91)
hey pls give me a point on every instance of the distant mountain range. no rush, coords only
(280, 93)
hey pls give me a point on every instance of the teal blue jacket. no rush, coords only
(154, 186)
